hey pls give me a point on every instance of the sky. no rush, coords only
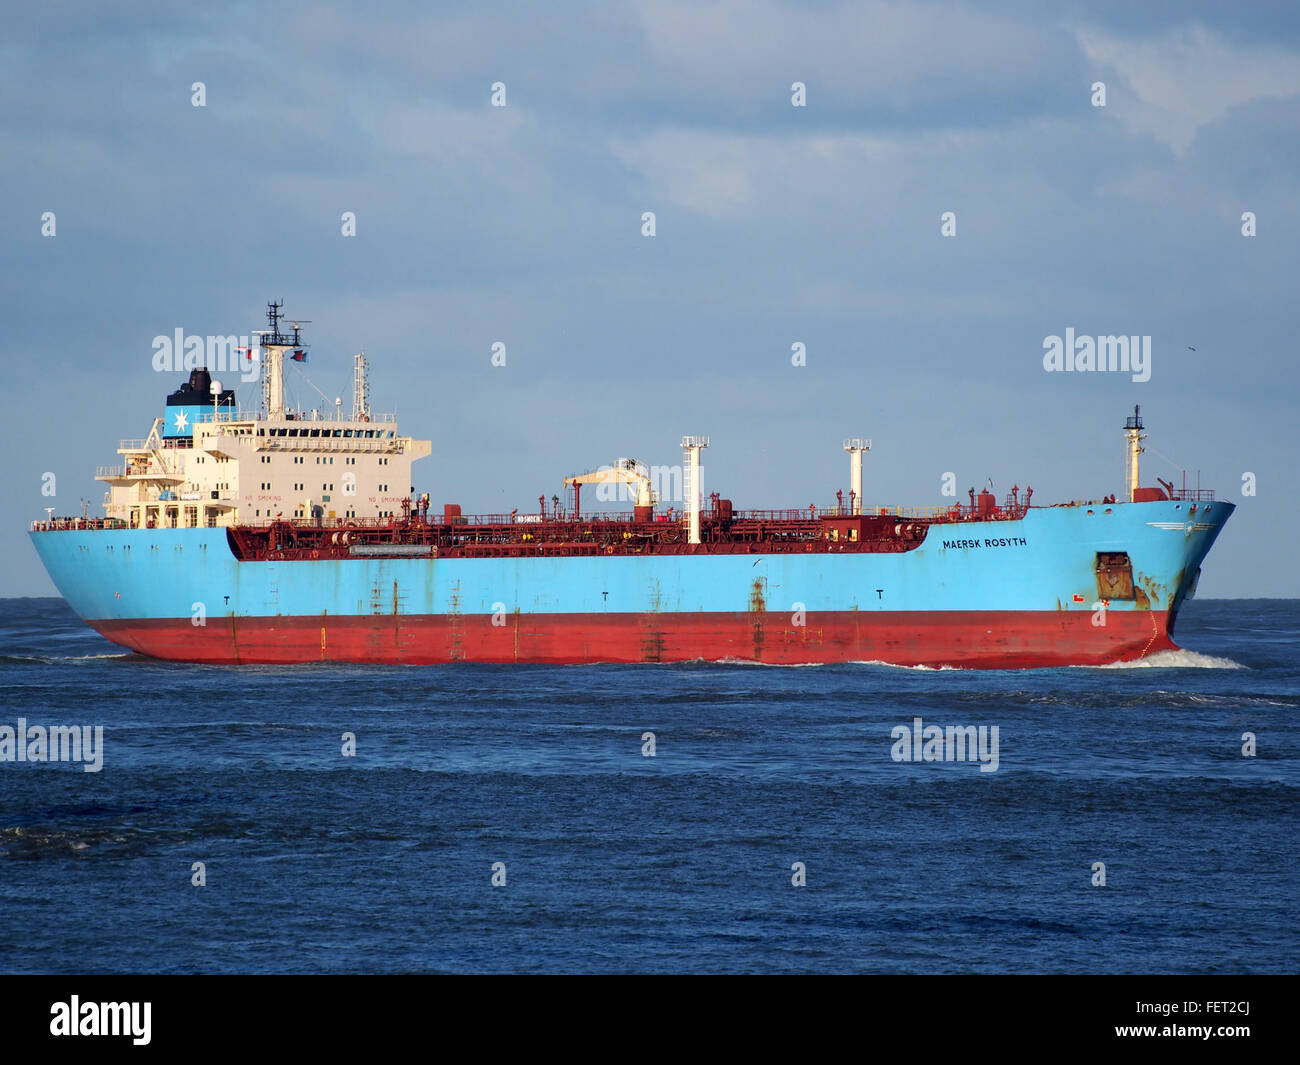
(774, 225)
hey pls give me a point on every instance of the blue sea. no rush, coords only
(316, 861)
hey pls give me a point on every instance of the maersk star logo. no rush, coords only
(182, 421)
(1188, 527)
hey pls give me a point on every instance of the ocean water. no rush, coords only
(682, 862)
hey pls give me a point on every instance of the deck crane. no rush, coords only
(625, 471)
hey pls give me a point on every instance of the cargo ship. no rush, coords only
(279, 535)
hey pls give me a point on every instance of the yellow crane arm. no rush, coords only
(626, 472)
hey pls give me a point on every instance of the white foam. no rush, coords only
(50, 660)
(1180, 659)
(752, 662)
(54, 660)
(896, 665)
(91, 658)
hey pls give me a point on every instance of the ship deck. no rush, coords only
(418, 533)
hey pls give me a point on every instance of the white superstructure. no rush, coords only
(220, 466)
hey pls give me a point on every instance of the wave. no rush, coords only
(752, 662)
(51, 660)
(895, 665)
(1180, 659)
(35, 841)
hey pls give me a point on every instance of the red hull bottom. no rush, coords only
(993, 640)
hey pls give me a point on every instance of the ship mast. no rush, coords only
(360, 388)
(276, 342)
(1134, 434)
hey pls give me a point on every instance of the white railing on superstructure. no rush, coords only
(330, 443)
(153, 469)
(315, 417)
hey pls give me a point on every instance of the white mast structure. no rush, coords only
(855, 446)
(360, 388)
(275, 342)
(691, 448)
(1134, 434)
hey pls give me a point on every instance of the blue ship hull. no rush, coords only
(1004, 593)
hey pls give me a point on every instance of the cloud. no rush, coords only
(712, 175)
(775, 224)
(853, 56)
(1187, 79)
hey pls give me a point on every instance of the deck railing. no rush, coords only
(226, 414)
